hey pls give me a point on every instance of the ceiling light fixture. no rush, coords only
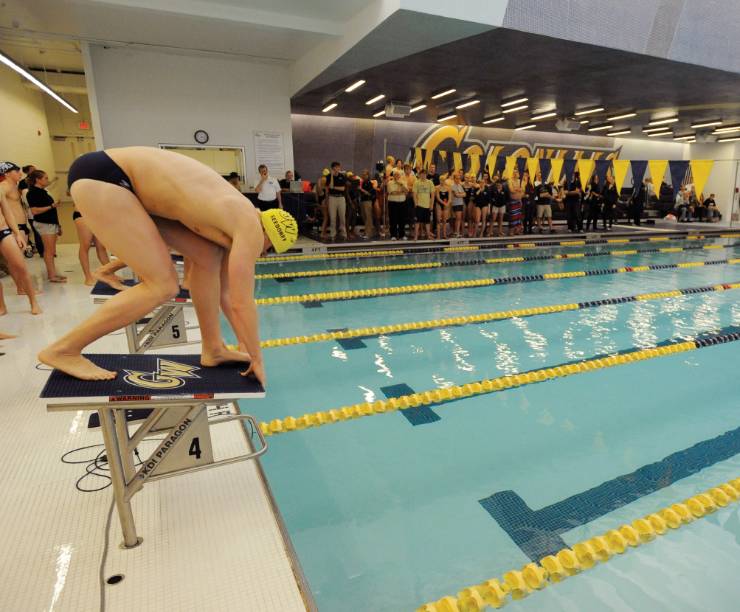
(588, 111)
(654, 134)
(728, 139)
(418, 107)
(444, 92)
(545, 115)
(655, 129)
(619, 132)
(328, 107)
(515, 108)
(584, 121)
(706, 123)
(446, 117)
(493, 119)
(726, 129)
(513, 101)
(468, 103)
(377, 98)
(355, 85)
(4, 59)
(684, 137)
(380, 113)
(622, 116)
(525, 126)
(603, 126)
(663, 121)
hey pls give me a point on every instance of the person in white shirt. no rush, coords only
(268, 191)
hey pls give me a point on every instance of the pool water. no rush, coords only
(394, 510)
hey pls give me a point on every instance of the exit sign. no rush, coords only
(84, 125)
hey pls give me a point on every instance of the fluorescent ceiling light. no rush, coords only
(445, 92)
(588, 111)
(728, 139)
(725, 130)
(655, 129)
(622, 116)
(618, 133)
(468, 103)
(355, 85)
(545, 115)
(4, 59)
(418, 107)
(446, 117)
(493, 119)
(377, 98)
(380, 113)
(515, 108)
(328, 107)
(525, 126)
(603, 126)
(706, 123)
(654, 134)
(513, 101)
(684, 137)
(663, 121)
(584, 121)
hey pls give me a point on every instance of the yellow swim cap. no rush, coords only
(325, 172)
(281, 228)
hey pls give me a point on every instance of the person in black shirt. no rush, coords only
(543, 199)
(336, 184)
(710, 209)
(499, 198)
(367, 199)
(573, 204)
(432, 174)
(528, 202)
(610, 196)
(45, 220)
(285, 182)
(639, 197)
(593, 203)
(482, 199)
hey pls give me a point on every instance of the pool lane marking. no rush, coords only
(468, 284)
(537, 532)
(398, 328)
(486, 386)
(288, 276)
(519, 583)
(486, 247)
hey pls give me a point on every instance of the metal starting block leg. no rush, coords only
(165, 328)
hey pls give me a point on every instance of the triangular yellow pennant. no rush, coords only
(556, 167)
(620, 172)
(510, 165)
(457, 160)
(418, 157)
(700, 169)
(474, 168)
(533, 167)
(585, 170)
(657, 172)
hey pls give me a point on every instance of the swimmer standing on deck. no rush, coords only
(138, 200)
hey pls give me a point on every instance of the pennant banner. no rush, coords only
(474, 163)
(533, 167)
(491, 164)
(510, 164)
(521, 162)
(457, 163)
(657, 172)
(557, 167)
(700, 168)
(569, 166)
(500, 165)
(678, 170)
(638, 172)
(444, 161)
(545, 165)
(585, 169)
(620, 172)
(602, 167)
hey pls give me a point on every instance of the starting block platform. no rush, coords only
(165, 328)
(178, 391)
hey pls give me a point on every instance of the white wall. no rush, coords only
(151, 98)
(24, 133)
(724, 175)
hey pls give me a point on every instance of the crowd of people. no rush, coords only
(401, 202)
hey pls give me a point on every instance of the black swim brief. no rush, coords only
(24, 228)
(76, 215)
(5, 232)
(98, 166)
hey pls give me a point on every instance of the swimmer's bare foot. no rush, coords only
(209, 359)
(23, 292)
(58, 279)
(3, 310)
(36, 309)
(74, 364)
(109, 279)
(90, 281)
(6, 336)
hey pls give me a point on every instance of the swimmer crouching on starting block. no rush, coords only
(138, 200)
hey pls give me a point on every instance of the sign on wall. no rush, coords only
(270, 151)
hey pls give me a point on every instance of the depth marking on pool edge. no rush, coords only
(478, 282)
(537, 532)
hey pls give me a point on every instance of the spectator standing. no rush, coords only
(46, 220)
(268, 190)
(498, 208)
(639, 198)
(336, 184)
(410, 179)
(397, 192)
(610, 197)
(322, 201)
(423, 193)
(543, 200)
(528, 203)
(573, 204)
(482, 201)
(367, 200)
(515, 194)
(457, 195)
(593, 203)
(443, 207)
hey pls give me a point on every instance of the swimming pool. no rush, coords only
(393, 510)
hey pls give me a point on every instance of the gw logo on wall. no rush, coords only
(168, 375)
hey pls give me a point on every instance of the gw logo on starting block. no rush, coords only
(168, 375)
